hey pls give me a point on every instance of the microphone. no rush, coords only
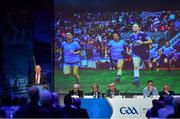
(150, 93)
(125, 93)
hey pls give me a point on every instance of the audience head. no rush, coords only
(38, 69)
(155, 108)
(68, 100)
(155, 102)
(45, 98)
(95, 88)
(75, 87)
(112, 86)
(33, 93)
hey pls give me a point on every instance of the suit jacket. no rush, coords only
(98, 94)
(79, 93)
(164, 93)
(109, 93)
(43, 79)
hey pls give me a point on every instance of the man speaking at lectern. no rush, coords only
(38, 78)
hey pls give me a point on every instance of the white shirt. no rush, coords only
(38, 77)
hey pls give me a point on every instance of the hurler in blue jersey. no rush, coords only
(139, 42)
(116, 47)
(72, 51)
(168, 55)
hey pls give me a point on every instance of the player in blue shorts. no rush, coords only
(139, 42)
(168, 54)
(153, 54)
(72, 51)
(116, 47)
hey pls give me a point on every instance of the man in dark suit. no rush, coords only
(112, 91)
(95, 92)
(75, 91)
(37, 78)
(166, 91)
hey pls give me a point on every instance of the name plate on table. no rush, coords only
(75, 96)
(152, 97)
(88, 96)
(117, 96)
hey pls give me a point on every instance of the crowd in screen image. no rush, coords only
(94, 31)
(97, 37)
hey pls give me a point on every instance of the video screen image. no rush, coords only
(117, 47)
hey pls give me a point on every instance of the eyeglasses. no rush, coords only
(111, 86)
(150, 84)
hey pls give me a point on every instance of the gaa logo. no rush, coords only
(128, 110)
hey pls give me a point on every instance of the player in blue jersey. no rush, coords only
(168, 54)
(139, 41)
(153, 54)
(72, 51)
(116, 47)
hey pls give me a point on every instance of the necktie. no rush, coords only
(37, 78)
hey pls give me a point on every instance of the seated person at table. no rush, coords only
(38, 78)
(95, 92)
(166, 91)
(150, 90)
(112, 91)
(75, 91)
